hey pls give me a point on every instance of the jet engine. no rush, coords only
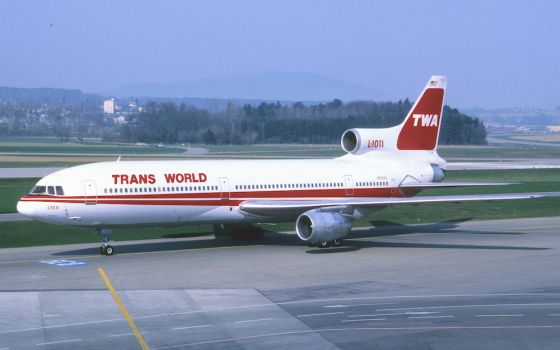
(439, 173)
(319, 226)
(359, 141)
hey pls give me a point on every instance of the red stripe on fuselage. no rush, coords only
(210, 199)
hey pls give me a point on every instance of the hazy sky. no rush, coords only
(495, 53)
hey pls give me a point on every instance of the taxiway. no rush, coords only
(452, 285)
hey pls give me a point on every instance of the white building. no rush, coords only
(109, 106)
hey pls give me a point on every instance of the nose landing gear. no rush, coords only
(106, 248)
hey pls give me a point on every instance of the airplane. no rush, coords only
(382, 167)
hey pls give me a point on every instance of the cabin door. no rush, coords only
(90, 191)
(349, 185)
(224, 187)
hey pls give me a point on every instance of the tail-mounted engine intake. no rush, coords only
(358, 141)
(318, 226)
(439, 173)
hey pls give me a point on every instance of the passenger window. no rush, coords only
(50, 189)
(60, 192)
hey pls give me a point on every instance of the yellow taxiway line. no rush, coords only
(123, 309)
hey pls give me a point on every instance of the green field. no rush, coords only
(10, 192)
(519, 152)
(39, 145)
(27, 233)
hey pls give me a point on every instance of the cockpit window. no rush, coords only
(39, 190)
(50, 190)
(59, 191)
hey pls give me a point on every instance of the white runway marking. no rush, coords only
(512, 315)
(430, 317)
(189, 327)
(553, 314)
(62, 325)
(468, 306)
(399, 313)
(323, 314)
(354, 305)
(120, 335)
(59, 342)
(364, 320)
(257, 320)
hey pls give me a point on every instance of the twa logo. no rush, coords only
(425, 119)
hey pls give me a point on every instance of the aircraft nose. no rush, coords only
(25, 208)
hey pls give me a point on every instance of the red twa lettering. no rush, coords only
(186, 177)
(143, 178)
(169, 178)
(134, 179)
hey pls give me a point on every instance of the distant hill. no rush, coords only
(49, 96)
(264, 86)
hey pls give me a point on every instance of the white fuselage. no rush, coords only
(143, 193)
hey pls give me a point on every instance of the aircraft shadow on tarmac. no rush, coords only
(353, 242)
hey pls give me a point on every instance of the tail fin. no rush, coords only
(420, 129)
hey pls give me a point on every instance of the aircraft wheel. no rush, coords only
(108, 250)
(323, 244)
(337, 242)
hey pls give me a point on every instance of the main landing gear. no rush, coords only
(239, 232)
(106, 248)
(325, 244)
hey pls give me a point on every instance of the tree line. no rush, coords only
(172, 123)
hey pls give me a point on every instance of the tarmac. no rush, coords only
(452, 285)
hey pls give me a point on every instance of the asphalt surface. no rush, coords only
(501, 140)
(452, 285)
(15, 173)
(13, 217)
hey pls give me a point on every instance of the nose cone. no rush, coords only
(25, 208)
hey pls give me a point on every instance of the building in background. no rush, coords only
(109, 106)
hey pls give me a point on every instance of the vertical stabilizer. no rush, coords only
(420, 129)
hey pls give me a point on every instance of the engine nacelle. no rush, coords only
(439, 173)
(358, 141)
(318, 226)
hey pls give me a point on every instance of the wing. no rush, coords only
(417, 185)
(278, 208)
